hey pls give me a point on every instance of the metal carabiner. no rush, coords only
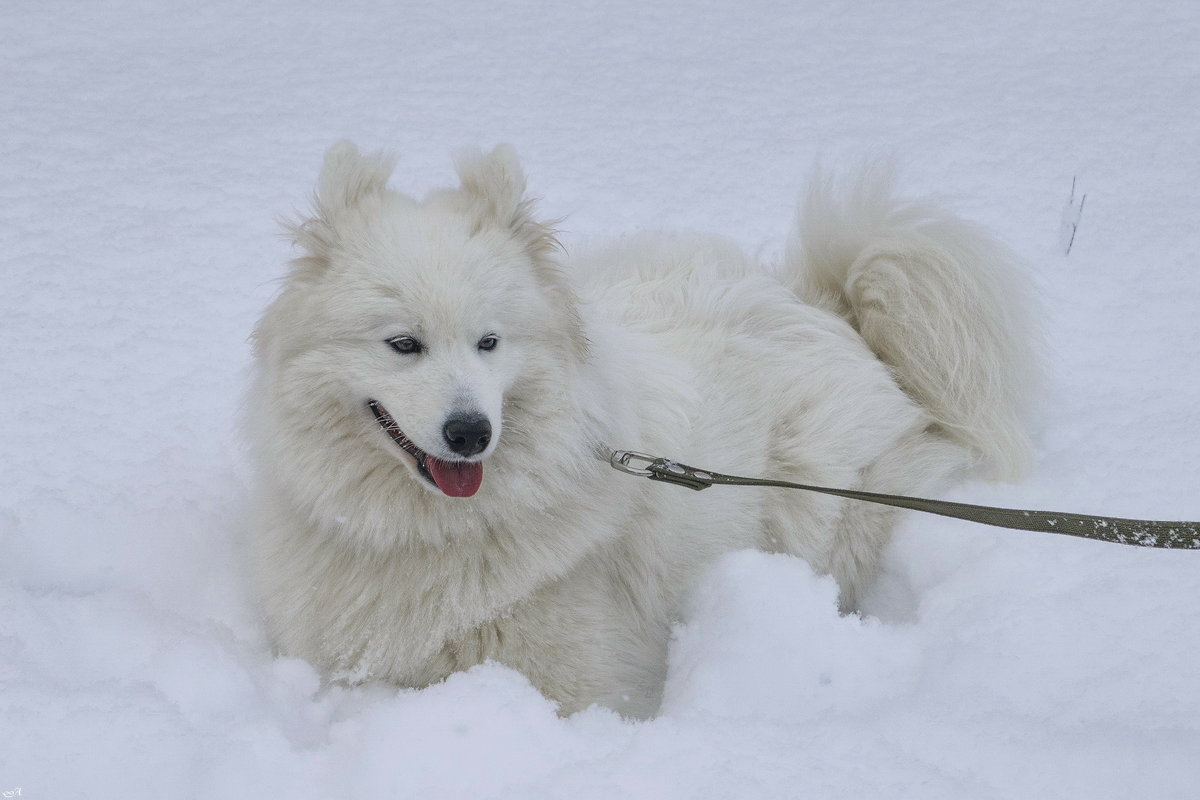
(621, 460)
(660, 469)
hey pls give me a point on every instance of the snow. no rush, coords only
(145, 152)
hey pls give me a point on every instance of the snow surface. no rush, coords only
(145, 151)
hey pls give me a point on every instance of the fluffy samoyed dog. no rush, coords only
(439, 389)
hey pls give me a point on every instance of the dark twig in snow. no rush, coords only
(1072, 213)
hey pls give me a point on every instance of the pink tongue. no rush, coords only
(455, 478)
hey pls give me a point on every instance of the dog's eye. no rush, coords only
(405, 345)
(489, 343)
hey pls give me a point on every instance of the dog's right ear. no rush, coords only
(347, 178)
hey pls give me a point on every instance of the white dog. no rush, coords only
(438, 393)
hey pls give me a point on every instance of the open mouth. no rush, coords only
(452, 478)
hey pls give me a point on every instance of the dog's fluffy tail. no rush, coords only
(938, 300)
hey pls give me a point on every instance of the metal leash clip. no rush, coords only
(660, 469)
(621, 460)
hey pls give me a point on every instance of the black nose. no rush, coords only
(467, 434)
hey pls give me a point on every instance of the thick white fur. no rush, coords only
(888, 352)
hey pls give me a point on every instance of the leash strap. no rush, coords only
(1135, 532)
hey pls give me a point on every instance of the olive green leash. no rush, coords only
(1135, 532)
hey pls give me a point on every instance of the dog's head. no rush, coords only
(417, 319)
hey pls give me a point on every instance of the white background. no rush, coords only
(145, 152)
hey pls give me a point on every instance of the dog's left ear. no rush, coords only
(494, 185)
